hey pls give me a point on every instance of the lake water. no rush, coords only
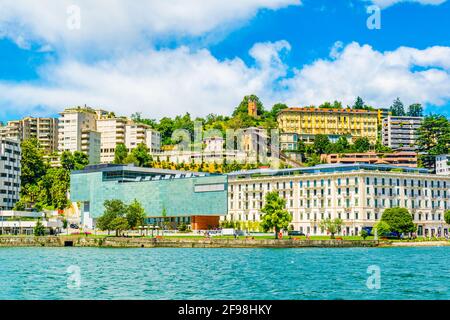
(94, 273)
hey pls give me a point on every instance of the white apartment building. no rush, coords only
(10, 156)
(356, 193)
(443, 164)
(400, 133)
(78, 132)
(45, 130)
(112, 131)
(137, 133)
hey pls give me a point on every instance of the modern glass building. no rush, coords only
(194, 198)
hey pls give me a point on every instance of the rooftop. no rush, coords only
(326, 168)
(131, 173)
(327, 110)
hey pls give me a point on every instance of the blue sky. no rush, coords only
(162, 59)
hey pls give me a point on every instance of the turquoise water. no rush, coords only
(41, 273)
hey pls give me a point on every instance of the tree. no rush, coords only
(275, 214)
(359, 103)
(342, 145)
(433, 139)
(397, 108)
(39, 229)
(113, 209)
(415, 110)
(74, 161)
(276, 109)
(141, 155)
(120, 154)
(135, 214)
(382, 228)
(364, 234)
(399, 220)
(242, 108)
(332, 226)
(321, 144)
(119, 225)
(32, 164)
(447, 216)
(362, 144)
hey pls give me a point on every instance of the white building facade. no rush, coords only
(400, 133)
(10, 156)
(443, 164)
(358, 194)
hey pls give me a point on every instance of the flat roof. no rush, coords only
(132, 168)
(327, 168)
(328, 110)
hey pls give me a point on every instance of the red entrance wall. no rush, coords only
(204, 222)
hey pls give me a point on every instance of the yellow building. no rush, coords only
(313, 121)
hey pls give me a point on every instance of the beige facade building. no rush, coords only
(314, 121)
(112, 131)
(45, 130)
(137, 133)
(78, 131)
(358, 194)
(401, 159)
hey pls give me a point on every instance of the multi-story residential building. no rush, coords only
(194, 198)
(314, 121)
(10, 156)
(45, 130)
(356, 193)
(78, 132)
(112, 131)
(443, 164)
(402, 159)
(290, 141)
(400, 133)
(137, 133)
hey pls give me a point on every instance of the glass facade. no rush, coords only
(179, 194)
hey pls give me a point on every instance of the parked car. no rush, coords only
(74, 226)
(295, 233)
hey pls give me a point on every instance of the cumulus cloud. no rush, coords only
(107, 24)
(157, 83)
(170, 82)
(379, 77)
(388, 3)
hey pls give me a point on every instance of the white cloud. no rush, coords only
(107, 24)
(157, 83)
(414, 75)
(388, 3)
(171, 82)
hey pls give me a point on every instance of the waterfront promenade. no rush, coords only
(192, 242)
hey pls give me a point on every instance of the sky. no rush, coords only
(165, 58)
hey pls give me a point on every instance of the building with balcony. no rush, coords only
(112, 131)
(137, 133)
(45, 130)
(400, 133)
(10, 157)
(198, 199)
(78, 132)
(356, 193)
(443, 164)
(401, 159)
(314, 121)
(290, 141)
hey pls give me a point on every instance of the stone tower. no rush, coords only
(252, 108)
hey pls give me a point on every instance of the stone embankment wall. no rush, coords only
(113, 242)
